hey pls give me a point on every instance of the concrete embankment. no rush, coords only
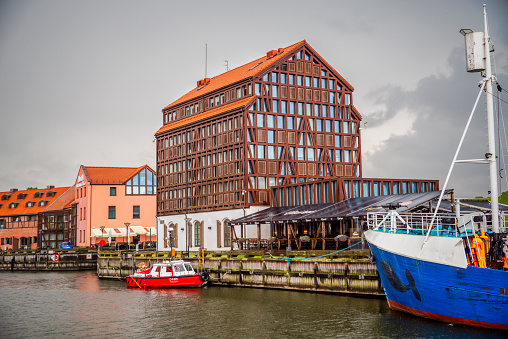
(49, 260)
(347, 273)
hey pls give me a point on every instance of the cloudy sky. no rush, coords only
(84, 82)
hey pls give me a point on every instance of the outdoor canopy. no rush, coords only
(121, 231)
(351, 208)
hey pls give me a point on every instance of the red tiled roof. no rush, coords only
(238, 74)
(206, 114)
(111, 175)
(63, 201)
(21, 208)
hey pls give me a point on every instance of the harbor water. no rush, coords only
(78, 304)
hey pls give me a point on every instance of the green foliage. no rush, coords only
(31, 188)
(503, 198)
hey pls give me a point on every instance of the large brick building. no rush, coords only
(284, 119)
(22, 217)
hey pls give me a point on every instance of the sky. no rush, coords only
(84, 82)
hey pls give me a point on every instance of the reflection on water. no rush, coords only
(77, 304)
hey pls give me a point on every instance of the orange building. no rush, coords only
(109, 197)
(21, 213)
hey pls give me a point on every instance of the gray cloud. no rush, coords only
(84, 82)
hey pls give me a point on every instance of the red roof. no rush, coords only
(243, 72)
(20, 199)
(111, 175)
(206, 114)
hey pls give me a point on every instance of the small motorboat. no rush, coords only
(171, 274)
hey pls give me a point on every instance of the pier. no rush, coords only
(49, 260)
(345, 273)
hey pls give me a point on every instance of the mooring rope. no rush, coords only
(319, 256)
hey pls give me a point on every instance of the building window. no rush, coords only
(135, 212)
(112, 191)
(112, 212)
(142, 183)
(197, 234)
(227, 233)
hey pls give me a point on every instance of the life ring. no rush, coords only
(142, 266)
(203, 276)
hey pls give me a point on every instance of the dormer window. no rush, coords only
(38, 194)
(6, 196)
(13, 204)
(22, 195)
(50, 194)
(43, 203)
(30, 203)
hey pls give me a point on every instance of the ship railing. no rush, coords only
(418, 223)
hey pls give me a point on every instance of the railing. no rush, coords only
(419, 223)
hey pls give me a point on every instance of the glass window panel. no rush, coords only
(301, 153)
(275, 91)
(271, 137)
(271, 152)
(142, 174)
(135, 180)
(291, 123)
(261, 151)
(366, 189)
(261, 120)
(283, 106)
(310, 154)
(275, 106)
(283, 78)
(338, 155)
(301, 108)
(270, 120)
(280, 121)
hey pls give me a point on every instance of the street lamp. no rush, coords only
(127, 224)
(102, 233)
(187, 221)
(271, 234)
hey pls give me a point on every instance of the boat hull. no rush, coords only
(471, 296)
(192, 281)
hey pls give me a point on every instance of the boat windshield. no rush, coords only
(178, 268)
(189, 268)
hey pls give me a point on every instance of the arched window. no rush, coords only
(227, 232)
(197, 234)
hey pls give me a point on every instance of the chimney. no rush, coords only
(14, 190)
(51, 187)
(271, 53)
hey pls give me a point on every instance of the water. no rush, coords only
(78, 304)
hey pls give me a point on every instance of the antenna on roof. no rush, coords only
(227, 65)
(206, 57)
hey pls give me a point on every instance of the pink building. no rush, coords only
(109, 197)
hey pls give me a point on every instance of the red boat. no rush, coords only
(173, 274)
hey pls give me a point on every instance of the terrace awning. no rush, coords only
(351, 208)
(121, 231)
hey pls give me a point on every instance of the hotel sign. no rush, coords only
(81, 181)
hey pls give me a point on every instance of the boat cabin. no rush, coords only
(171, 269)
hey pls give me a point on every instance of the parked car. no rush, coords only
(65, 244)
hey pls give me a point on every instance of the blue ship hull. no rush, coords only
(472, 295)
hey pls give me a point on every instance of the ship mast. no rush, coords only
(491, 156)
(478, 60)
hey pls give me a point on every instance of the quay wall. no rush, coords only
(350, 273)
(31, 260)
